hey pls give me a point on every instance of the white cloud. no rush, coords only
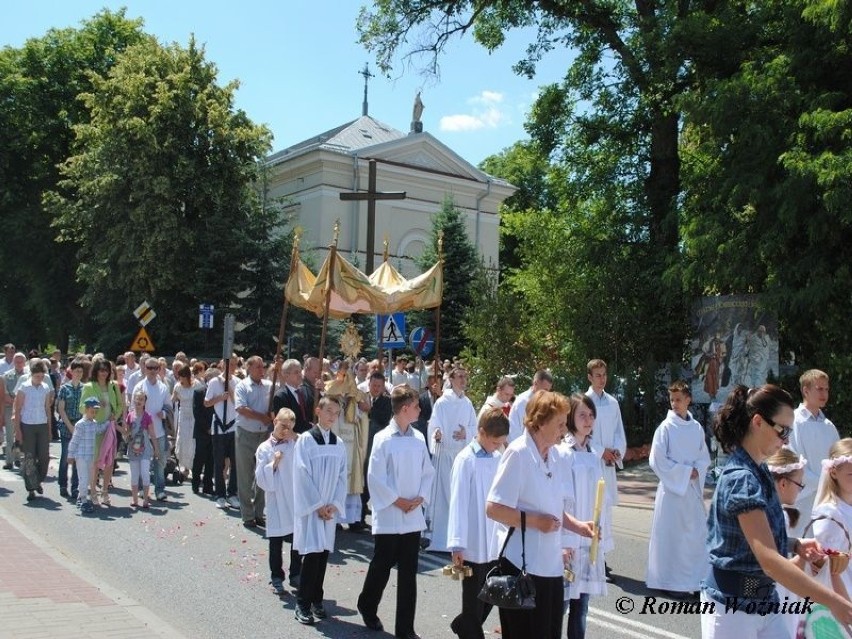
(485, 114)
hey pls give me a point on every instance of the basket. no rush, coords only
(837, 561)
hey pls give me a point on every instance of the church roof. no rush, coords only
(346, 138)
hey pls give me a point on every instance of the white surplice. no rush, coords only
(517, 413)
(399, 467)
(320, 479)
(608, 433)
(585, 471)
(455, 416)
(277, 484)
(468, 528)
(677, 556)
(834, 534)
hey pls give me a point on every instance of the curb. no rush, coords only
(153, 623)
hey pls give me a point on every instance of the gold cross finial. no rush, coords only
(336, 231)
(386, 242)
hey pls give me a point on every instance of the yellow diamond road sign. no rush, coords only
(144, 313)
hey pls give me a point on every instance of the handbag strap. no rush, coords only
(523, 542)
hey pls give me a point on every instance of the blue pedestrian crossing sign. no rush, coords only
(390, 330)
(422, 341)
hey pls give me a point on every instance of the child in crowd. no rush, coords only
(471, 536)
(141, 447)
(788, 472)
(273, 472)
(81, 450)
(584, 459)
(834, 504)
(677, 556)
(320, 493)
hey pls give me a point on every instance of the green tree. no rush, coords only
(767, 170)
(39, 85)
(460, 263)
(159, 198)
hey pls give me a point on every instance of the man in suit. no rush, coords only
(313, 385)
(293, 394)
(427, 400)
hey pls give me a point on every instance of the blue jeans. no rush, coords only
(62, 479)
(159, 465)
(577, 611)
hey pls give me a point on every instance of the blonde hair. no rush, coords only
(810, 377)
(828, 488)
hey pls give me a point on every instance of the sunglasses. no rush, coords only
(793, 481)
(782, 431)
(153, 368)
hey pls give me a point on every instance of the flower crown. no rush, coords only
(789, 468)
(834, 462)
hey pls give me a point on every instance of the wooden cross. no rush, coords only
(371, 195)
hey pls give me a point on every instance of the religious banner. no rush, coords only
(734, 342)
(383, 292)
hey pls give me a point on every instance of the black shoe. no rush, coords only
(304, 617)
(63, 492)
(40, 489)
(371, 621)
(195, 489)
(357, 526)
(31, 495)
(251, 523)
(7, 466)
(260, 521)
(677, 595)
(318, 611)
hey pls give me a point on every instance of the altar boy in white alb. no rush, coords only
(273, 472)
(677, 557)
(471, 536)
(320, 493)
(608, 434)
(400, 479)
(451, 428)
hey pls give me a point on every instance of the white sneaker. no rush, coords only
(220, 503)
(233, 502)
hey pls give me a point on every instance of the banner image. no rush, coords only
(734, 342)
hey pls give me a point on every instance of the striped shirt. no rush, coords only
(82, 444)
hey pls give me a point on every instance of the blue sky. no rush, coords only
(297, 62)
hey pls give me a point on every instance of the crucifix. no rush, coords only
(371, 195)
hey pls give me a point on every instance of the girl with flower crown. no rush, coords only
(832, 515)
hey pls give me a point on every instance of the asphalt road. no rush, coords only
(200, 570)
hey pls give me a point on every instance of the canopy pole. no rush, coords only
(294, 257)
(328, 286)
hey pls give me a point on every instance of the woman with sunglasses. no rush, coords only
(747, 540)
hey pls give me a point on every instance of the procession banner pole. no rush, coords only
(328, 285)
(435, 364)
(294, 254)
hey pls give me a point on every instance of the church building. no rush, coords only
(312, 174)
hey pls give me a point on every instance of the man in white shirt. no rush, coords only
(158, 399)
(542, 380)
(608, 433)
(812, 437)
(253, 420)
(130, 365)
(222, 431)
(400, 479)
(399, 375)
(8, 354)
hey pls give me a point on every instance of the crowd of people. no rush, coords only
(525, 484)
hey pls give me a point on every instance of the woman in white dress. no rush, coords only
(182, 399)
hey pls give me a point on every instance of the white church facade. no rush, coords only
(311, 175)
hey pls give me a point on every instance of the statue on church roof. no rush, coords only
(418, 108)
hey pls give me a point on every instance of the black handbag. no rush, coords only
(513, 592)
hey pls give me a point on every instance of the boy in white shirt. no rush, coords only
(400, 479)
(471, 536)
